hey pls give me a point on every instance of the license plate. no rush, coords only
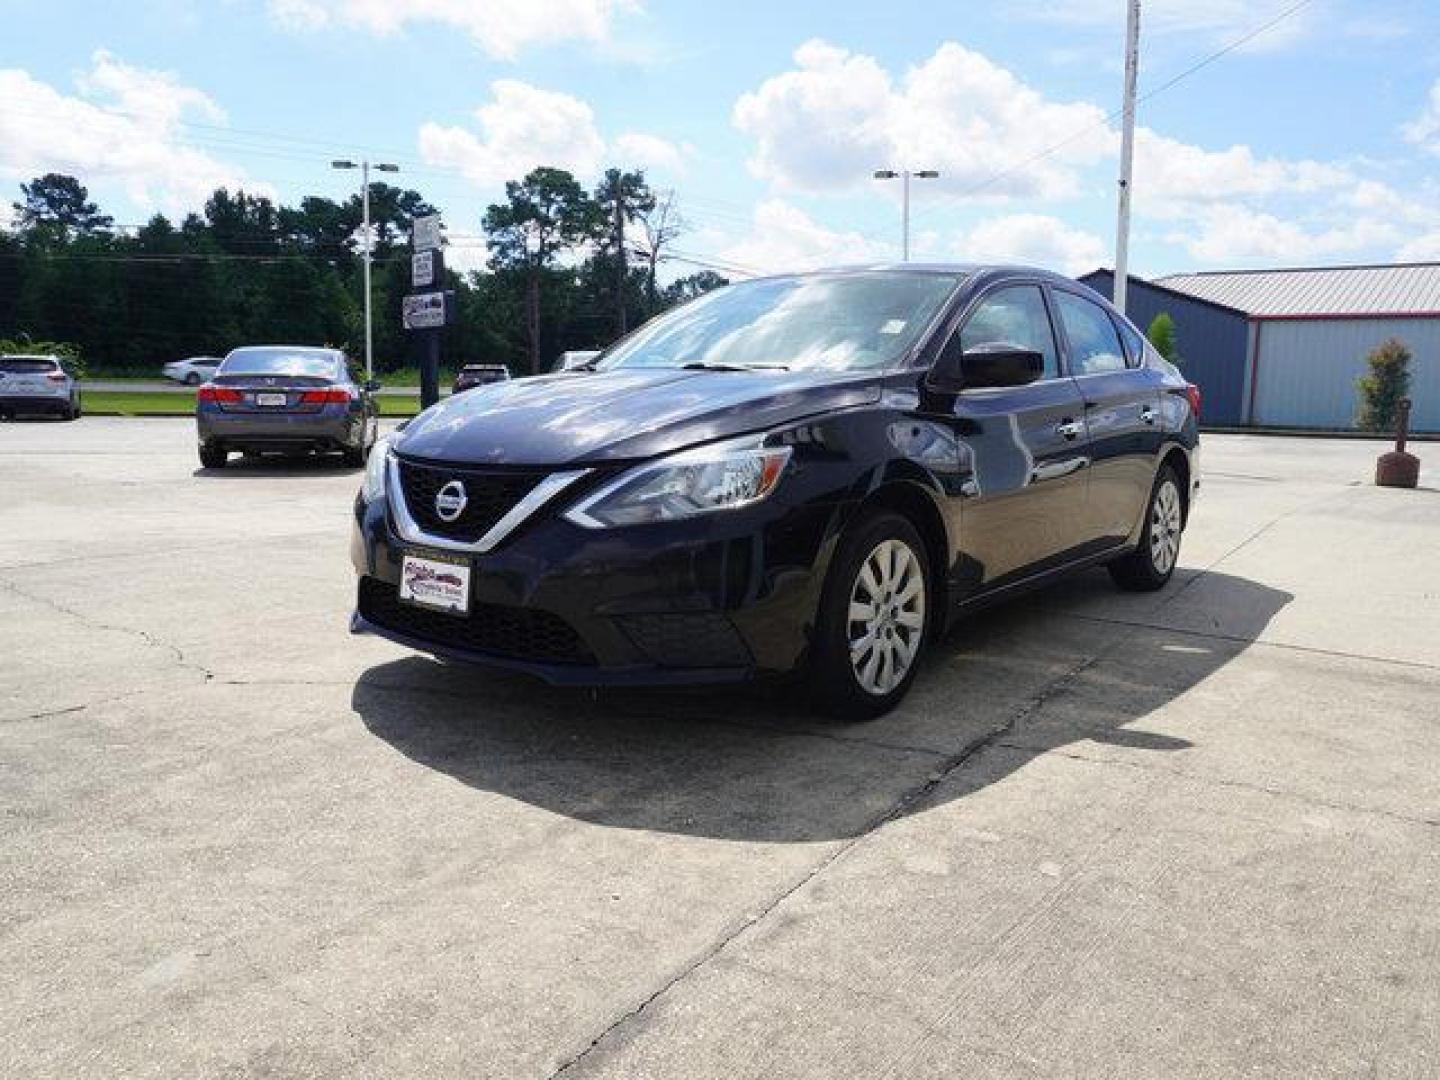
(436, 582)
(270, 399)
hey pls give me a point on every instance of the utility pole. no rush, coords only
(905, 175)
(1127, 156)
(620, 251)
(364, 168)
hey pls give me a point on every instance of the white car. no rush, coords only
(36, 384)
(192, 371)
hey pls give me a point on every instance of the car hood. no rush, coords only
(620, 415)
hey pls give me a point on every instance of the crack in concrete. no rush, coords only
(1217, 781)
(95, 624)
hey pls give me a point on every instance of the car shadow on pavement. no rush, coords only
(272, 465)
(751, 763)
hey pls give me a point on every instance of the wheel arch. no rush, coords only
(1176, 458)
(914, 503)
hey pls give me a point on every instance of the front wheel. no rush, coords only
(1150, 565)
(873, 619)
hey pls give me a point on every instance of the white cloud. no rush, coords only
(501, 27)
(636, 149)
(1034, 239)
(837, 116)
(523, 126)
(1424, 130)
(1227, 234)
(783, 238)
(124, 126)
(1167, 169)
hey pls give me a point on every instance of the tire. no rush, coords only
(880, 556)
(193, 379)
(1152, 563)
(355, 456)
(213, 455)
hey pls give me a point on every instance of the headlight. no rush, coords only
(373, 486)
(725, 476)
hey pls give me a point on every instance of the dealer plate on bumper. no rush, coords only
(437, 582)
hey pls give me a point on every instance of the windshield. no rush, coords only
(841, 322)
(312, 363)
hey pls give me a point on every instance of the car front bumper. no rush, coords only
(717, 599)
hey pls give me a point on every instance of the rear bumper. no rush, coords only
(332, 428)
(35, 403)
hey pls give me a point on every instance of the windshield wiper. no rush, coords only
(701, 365)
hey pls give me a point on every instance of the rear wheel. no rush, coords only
(213, 455)
(355, 456)
(1151, 564)
(192, 379)
(874, 615)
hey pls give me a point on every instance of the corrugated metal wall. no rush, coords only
(1213, 342)
(1307, 369)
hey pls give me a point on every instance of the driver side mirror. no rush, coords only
(993, 364)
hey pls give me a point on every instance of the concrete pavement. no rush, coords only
(1187, 834)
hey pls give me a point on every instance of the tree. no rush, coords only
(60, 206)
(621, 196)
(687, 288)
(661, 224)
(1161, 333)
(1381, 389)
(544, 215)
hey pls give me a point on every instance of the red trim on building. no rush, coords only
(1335, 317)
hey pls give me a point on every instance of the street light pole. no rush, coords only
(1120, 294)
(905, 175)
(364, 168)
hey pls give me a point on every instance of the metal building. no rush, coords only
(1212, 337)
(1310, 330)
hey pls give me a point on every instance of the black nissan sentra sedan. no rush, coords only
(288, 399)
(813, 473)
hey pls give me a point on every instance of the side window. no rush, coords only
(1094, 345)
(1134, 343)
(1014, 315)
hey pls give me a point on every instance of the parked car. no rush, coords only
(810, 473)
(286, 398)
(192, 372)
(473, 375)
(38, 384)
(575, 358)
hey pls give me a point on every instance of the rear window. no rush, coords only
(313, 363)
(25, 365)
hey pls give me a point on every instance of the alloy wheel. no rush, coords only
(1165, 527)
(886, 619)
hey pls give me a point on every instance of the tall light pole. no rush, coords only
(1127, 156)
(905, 175)
(364, 168)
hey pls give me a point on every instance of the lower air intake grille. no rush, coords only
(516, 633)
(687, 639)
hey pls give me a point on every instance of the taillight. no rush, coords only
(1192, 395)
(333, 396)
(57, 376)
(225, 394)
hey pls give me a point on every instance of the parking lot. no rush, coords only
(1192, 833)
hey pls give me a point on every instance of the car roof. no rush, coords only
(30, 356)
(322, 349)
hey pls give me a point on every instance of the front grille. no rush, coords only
(687, 639)
(489, 494)
(517, 633)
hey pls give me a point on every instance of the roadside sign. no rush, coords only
(425, 233)
(424, 311)
(426, 268)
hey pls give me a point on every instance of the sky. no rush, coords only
(1270, 132)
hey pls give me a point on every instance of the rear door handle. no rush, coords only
(1069, 429)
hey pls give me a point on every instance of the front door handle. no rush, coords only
(1069, 429)
(1147, 415)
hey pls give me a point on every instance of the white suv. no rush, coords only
(192, 372)
(36, 384)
